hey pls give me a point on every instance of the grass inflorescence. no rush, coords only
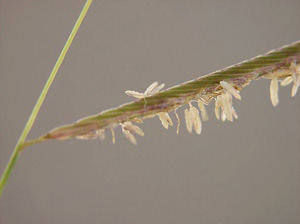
(281, 65)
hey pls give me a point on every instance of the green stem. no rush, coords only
(20, 144)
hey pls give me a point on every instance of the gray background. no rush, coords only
(242, 172)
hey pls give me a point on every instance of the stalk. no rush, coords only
(20, 144)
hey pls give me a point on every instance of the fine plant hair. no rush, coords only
(221, 87)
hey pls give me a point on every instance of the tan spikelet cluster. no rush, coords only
(224, 102)
(287, 76)
(128, 129)
(192, 119)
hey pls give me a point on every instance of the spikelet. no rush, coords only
(197, 121)
(204, 114)
(223, 102)
(193, 120)
(165, 120)
(217, 107)
(287, 76)
(274, 91)
(225, 97)
(231, 89)
(188, 120)
(128, 129)
(150, 91)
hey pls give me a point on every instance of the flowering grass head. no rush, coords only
(224, 86)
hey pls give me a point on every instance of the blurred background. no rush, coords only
(242, 172)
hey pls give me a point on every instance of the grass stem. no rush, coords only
(20, 144)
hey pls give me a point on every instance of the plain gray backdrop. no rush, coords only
(242, 172)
